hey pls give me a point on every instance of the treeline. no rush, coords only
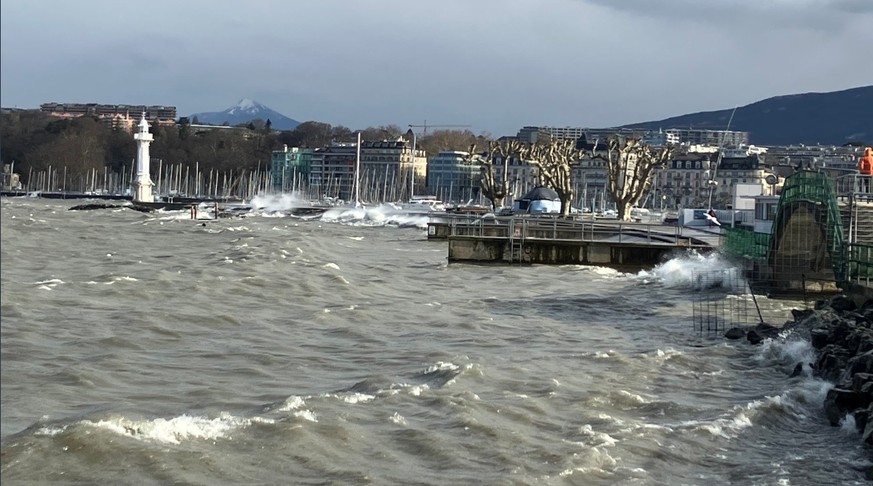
(35, 141)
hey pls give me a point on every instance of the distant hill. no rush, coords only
(244, 112)
(831, 118)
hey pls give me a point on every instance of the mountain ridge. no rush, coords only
(245, 111)
(830, 118)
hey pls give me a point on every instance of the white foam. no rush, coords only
(398, 419)
(176, 429)
(273, 203)
(442, 366)
(662, 356)
(597, 462)
(292, 403)
(331, 265)
(848, 425)
(597, 439)
(306, 415)
(787, 353)
(51, 430)
(381, 215)
(352, 398)
(681, 272)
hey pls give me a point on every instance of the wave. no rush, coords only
(695, 271)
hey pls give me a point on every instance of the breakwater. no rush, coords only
(841, 332)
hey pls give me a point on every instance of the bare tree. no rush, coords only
(629, 164)
(554, 161)
(441, 140)
(499, 152)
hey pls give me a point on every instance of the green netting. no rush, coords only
(816, 191)
(744, 243)
(816, 188)
(860, 262)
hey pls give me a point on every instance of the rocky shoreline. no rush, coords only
(841, 331)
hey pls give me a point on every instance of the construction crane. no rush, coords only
(425, 126)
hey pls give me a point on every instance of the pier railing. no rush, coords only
(558, 229)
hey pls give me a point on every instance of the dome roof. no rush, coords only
(541, 193)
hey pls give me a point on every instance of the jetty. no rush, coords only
(555, 240)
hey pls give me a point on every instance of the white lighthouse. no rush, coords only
(143, 184)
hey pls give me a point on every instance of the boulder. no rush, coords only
(840, 402)
(841, 303)
(735, 333)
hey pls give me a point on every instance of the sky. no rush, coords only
(492, 66)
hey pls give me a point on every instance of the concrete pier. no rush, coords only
(621, 245)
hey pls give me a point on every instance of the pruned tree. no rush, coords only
(554, 161)
(499, 152)
(630, 163)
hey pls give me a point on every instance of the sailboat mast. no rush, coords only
(358, 172)
(712, 181)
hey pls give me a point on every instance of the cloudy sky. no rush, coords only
(495, 65)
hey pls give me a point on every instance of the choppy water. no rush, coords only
(151, 349)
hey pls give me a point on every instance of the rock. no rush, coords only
(754, 337)
(735, 333)
(761, 332)
(867, 434)
(767, 330)
(841, 303)
(142, 209)
(93, 206)
(860, 380)
(862, 363)
(801, 315)
(798, 370)
(840, 402)
(862, 416)
(831, 362)
(819, 338)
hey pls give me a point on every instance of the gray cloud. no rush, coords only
(493, 64)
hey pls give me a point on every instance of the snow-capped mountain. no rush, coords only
(245, 111)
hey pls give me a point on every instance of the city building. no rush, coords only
(332, 171)
(453, 177)
(123, 117)
(290, 168)
(387, 167)
(718, 138)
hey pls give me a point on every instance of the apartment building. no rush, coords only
(390, 169)
(686, 180)
(332, 171)
(123, 117)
